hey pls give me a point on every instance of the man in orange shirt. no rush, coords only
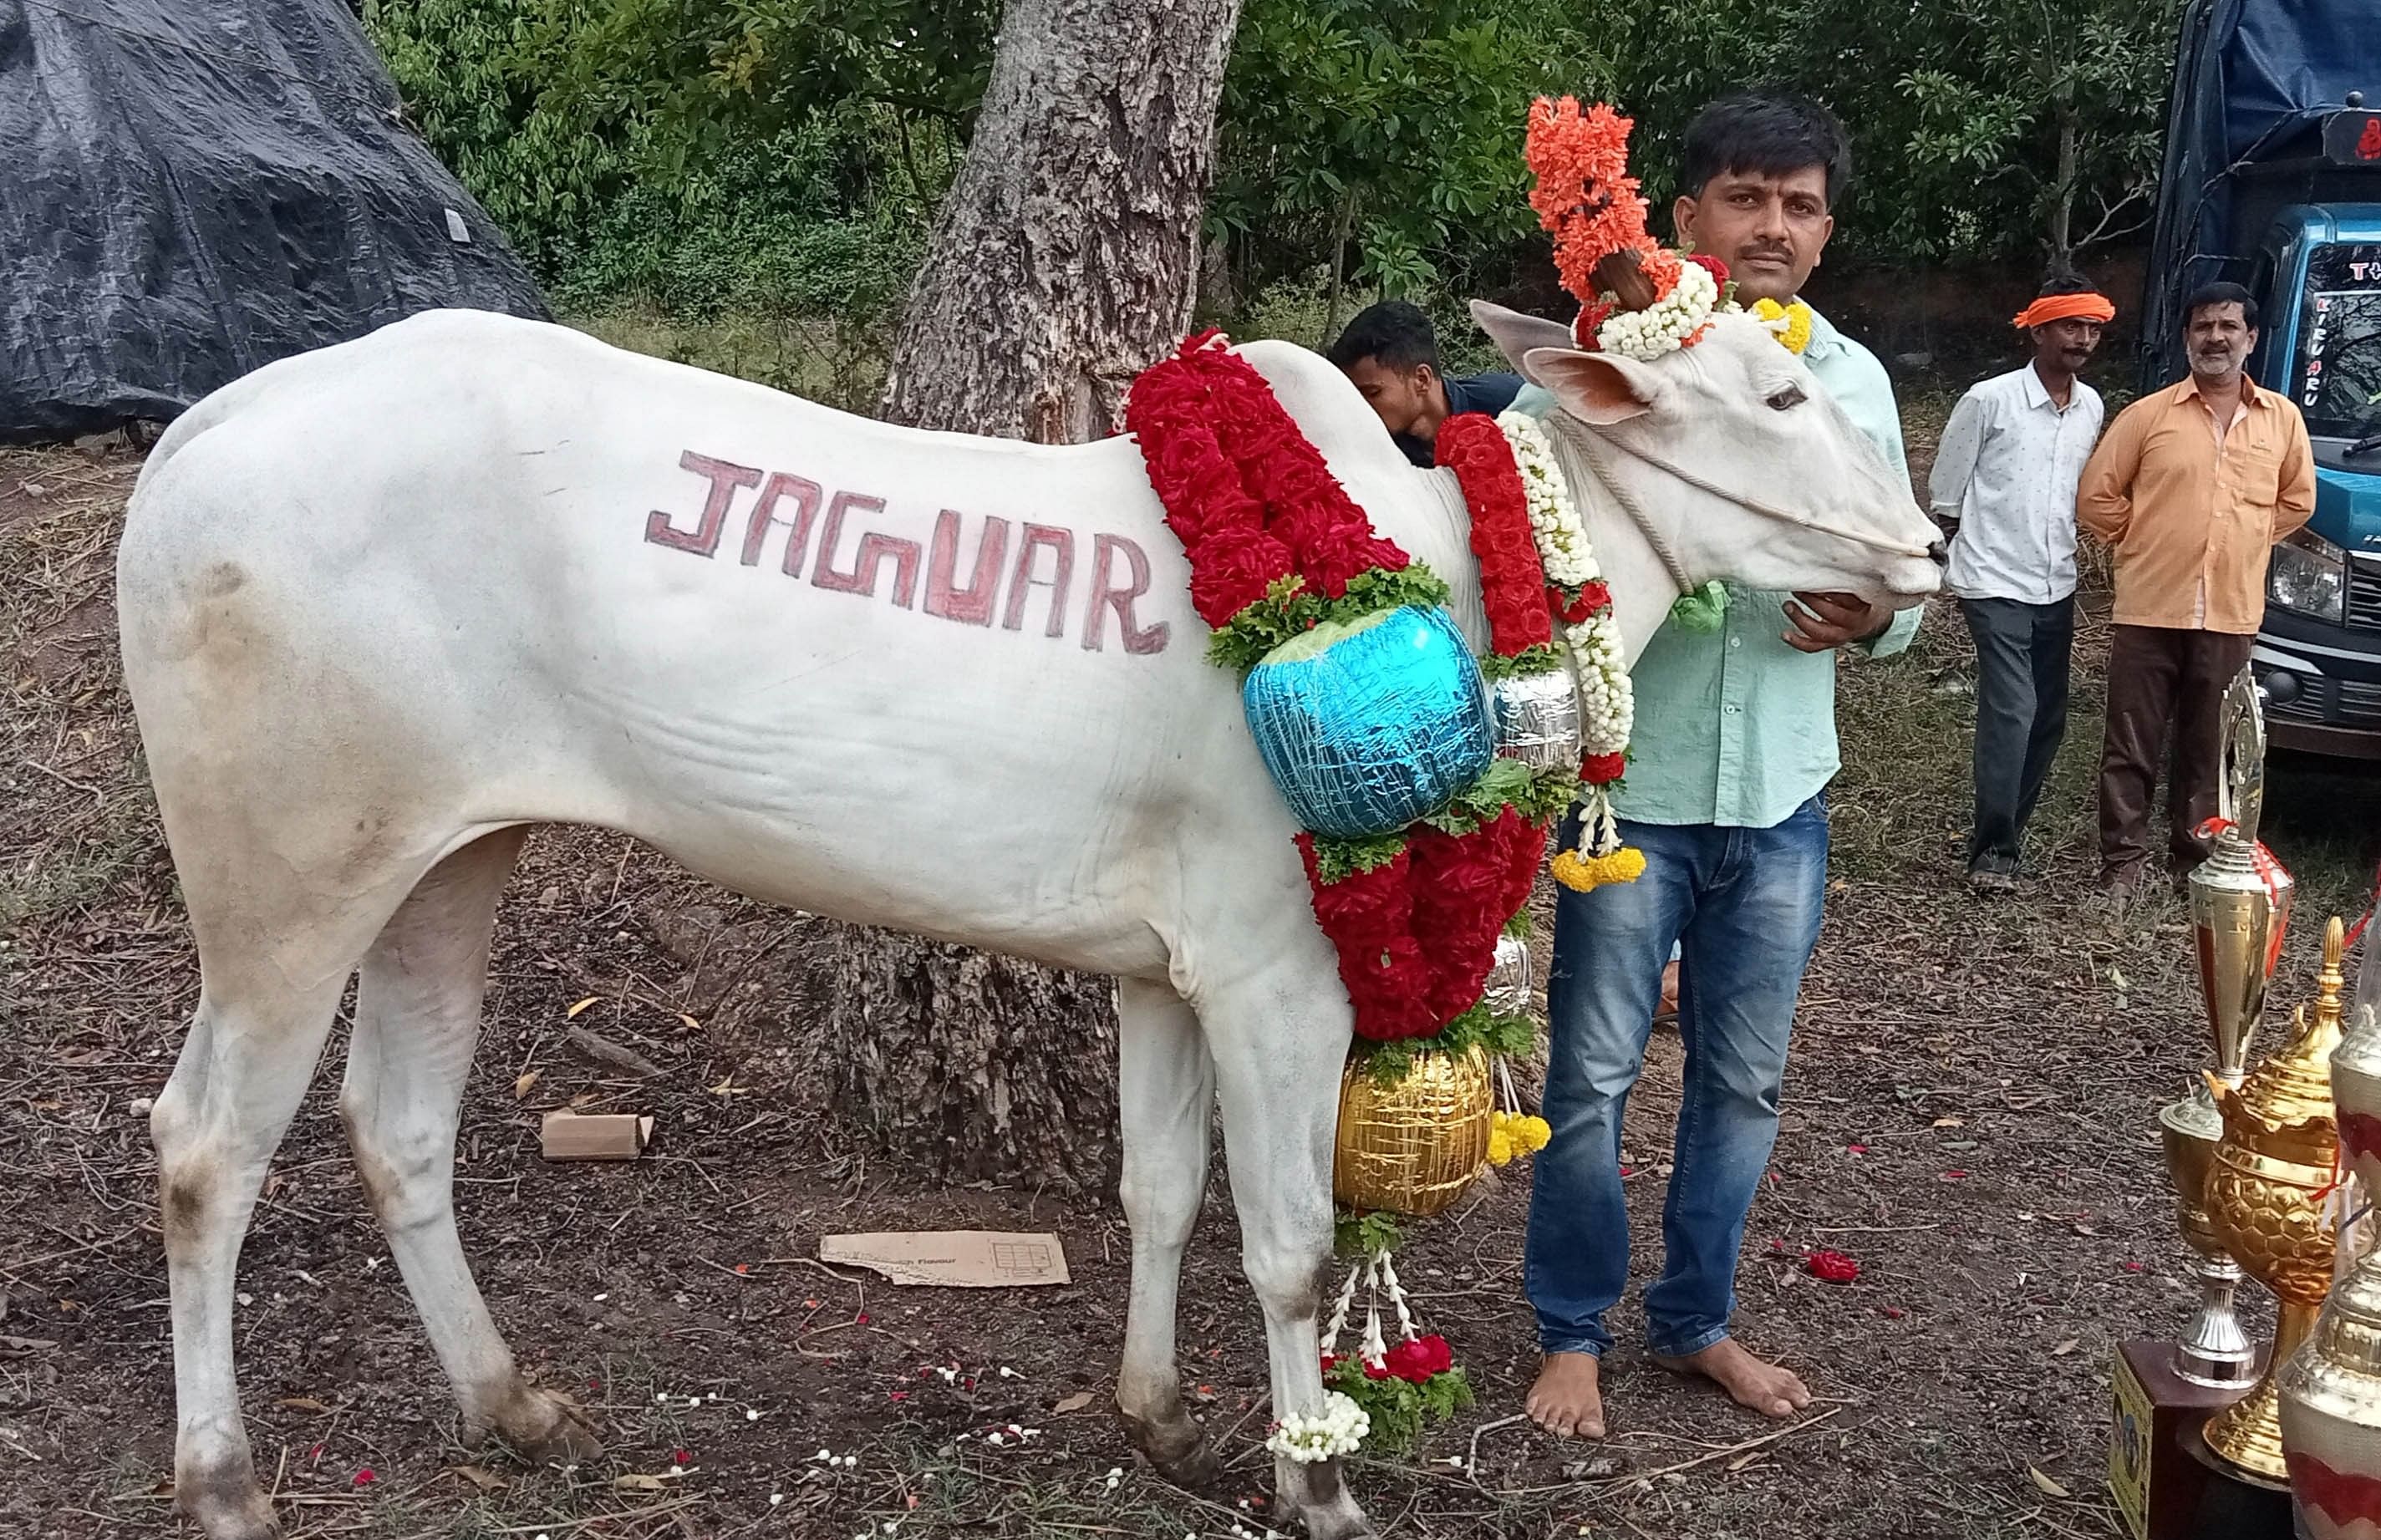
(2190, 489)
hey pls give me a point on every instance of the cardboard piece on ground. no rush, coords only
(568, 1135)
(953, 1258)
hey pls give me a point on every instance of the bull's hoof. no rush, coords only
(224, 1504)
(1344, 1522)
(1321, 1500)
(545, 1429)
(1175, 1451)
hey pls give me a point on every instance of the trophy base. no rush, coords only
(2235, 1504)
(2160, 1489)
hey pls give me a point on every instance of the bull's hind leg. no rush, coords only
(265, 1003)
(417, 1021)
(1165, 1092)
(1278, 1040)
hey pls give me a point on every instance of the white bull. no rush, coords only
(385, 606)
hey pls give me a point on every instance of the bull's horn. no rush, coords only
(1617, 273)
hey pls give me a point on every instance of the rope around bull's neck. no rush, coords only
(1570, 434)
(1591, 447)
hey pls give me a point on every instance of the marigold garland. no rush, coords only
(1585, 197)
(1790, 323)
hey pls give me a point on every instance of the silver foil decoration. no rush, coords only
(1537, 719)
(1379, 727)
(1507, 993)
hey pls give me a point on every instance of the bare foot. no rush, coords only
(1566, 1402)
(1764, 1387)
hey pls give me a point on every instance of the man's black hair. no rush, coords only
(1768, 133)
(2064, 280)
(2220, 293)
(1394, 333)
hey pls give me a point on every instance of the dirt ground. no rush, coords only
(1970, 1117)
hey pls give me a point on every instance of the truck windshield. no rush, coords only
(2338, 372)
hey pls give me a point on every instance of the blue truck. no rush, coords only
(2272, 179)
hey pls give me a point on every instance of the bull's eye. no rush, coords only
(1785, 399)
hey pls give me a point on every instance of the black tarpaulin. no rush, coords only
(2252, 80)
(191, 189)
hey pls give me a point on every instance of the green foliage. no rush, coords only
(1397, 122)
(1955, 113)
(693, 158)
(1541, 659)
(688, 173)
(1337, 860)
(1360, 1235)
(1539, 794)
(470, 74)
(1289, 610)
(1401, 1411)
(1388, 1063)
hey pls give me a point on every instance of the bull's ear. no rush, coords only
(1517, 336)
(1597, 388)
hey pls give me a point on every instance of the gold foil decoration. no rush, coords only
(2331, 1391)
(1412, 1147)
(2267, 1190)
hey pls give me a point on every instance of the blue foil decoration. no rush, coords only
(1375, 727)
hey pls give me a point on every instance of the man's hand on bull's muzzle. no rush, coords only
(1823, 621)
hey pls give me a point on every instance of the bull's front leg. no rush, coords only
(1279, 1042)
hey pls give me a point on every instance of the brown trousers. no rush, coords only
(2160, 677)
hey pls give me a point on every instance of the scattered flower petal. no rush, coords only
(1834, 1266)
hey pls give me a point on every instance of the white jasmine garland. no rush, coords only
(1311, 1438)
(1665, 325)
(1606, 706)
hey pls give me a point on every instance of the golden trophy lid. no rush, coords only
(2291, 1089)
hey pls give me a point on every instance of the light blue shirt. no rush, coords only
(1734, 726)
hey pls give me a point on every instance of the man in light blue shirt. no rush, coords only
(1733, 746)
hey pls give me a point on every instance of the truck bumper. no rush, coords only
(2322, 685)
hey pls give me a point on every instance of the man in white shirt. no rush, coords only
(2006, 476)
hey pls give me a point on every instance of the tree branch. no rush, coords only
(2109, 211)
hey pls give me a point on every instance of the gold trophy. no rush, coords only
(2331, 1391)
(2240, 907)
(2268, 1191)
(2239, 894)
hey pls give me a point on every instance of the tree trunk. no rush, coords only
(1064, 261)
(1066, 256)
(2062, 207)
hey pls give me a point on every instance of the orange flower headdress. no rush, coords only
(1636, 298)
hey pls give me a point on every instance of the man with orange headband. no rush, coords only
(2004, 482)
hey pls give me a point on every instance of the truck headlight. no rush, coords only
(2309, 574)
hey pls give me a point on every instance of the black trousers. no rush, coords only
(2021, 653)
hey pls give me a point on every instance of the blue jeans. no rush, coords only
(1744, 905)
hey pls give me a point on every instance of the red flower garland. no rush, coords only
(1512, 577)
(1249, 496)
(1368, 917)
(1253, 503)
(1418, 1358)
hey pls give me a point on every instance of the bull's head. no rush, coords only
(1739, 459)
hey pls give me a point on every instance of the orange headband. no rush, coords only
(2066, 307)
